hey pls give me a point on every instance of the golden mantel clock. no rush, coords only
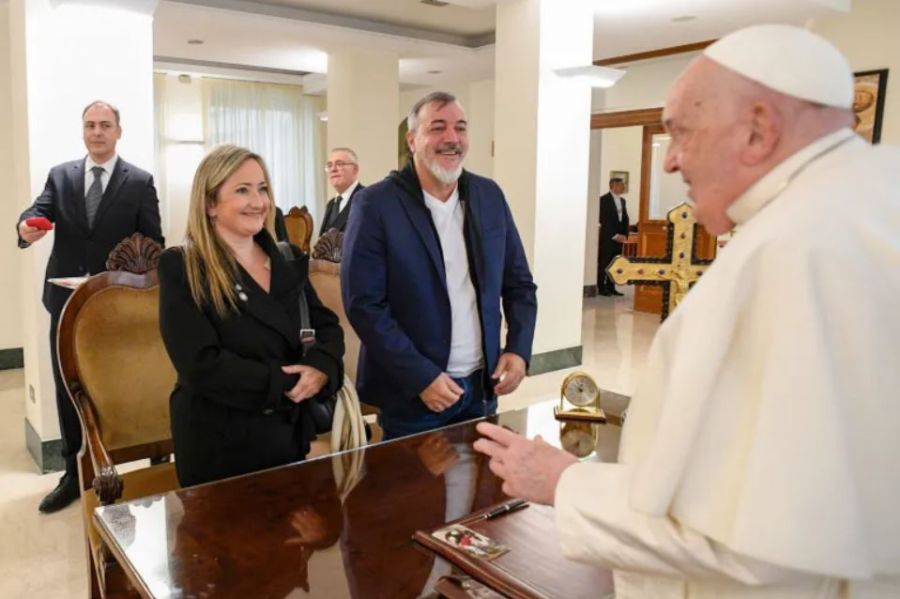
(579, 400)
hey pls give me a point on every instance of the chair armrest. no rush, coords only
(107, 483)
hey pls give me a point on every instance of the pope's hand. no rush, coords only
(529, 469)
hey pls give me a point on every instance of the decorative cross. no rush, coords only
(675, 272)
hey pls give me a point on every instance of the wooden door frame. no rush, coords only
(651, 120)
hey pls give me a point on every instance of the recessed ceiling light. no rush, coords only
(195, 42)
(683, 19)
(435, 72)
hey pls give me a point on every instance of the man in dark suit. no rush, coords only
(94, 203)
(342, 169)
(430, 253)
(613, 233)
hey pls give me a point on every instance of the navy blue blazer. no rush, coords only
(394, 286)
(129, 205)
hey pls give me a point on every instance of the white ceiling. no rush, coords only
(296, 35)
(412, 13)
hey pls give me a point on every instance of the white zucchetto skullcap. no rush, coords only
(789, 60)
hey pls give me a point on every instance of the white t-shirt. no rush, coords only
(466, 355)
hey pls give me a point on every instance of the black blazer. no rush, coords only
(129, 205)
(228, 410)
(334, 219)
(609, 218)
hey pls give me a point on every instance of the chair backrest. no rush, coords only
(325, 278)
(111, 354)
(299, 225)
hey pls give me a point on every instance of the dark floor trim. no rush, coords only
(12, 358)
(590, 291)
(46, 454)
(555, 360)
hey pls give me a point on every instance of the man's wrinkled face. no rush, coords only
(440, 142)
(705, 145)
(342, 170)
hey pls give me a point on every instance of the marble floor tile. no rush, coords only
(43, 556)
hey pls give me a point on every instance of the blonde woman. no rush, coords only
(230, 319)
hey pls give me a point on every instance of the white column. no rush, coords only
(64, 54)
(10, 304)
(363, 94)
(542, 146)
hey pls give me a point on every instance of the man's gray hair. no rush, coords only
(442, 98)
(348, 150)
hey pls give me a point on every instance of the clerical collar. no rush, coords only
(776, 180)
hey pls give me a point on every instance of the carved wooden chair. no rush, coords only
(299, 225)
(325, 277)
(119, 377)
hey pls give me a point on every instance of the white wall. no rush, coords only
(870, 39)
(54, 75)
(477, 99)
(644, 85)
(10, 208)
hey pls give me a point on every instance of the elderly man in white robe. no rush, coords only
(760, 454)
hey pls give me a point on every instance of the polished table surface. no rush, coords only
(337, 526)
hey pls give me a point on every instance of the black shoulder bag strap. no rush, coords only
(307, 333)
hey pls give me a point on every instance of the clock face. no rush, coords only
(580, 389)
(577, 438)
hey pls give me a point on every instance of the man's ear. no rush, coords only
(410, 141)
(766, 125)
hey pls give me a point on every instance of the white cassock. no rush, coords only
(761, 454)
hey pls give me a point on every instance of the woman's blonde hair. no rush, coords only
(211, 268)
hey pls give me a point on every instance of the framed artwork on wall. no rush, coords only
(869, 88)
(623, 175)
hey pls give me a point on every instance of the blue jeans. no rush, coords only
(474, 403)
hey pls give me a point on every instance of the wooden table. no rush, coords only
(338, 526)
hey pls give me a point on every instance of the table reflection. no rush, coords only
(339, 526)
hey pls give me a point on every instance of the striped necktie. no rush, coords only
(94, 195)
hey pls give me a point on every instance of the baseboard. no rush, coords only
(558, 359)
(46, 454)
(590, 291)
(12, 358)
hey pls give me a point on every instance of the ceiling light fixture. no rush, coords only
(437, 3)
(195, 42)
(683, 18)
(592, 74)
(434, 72)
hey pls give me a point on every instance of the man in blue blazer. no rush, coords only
(94, 203)
(430, 253)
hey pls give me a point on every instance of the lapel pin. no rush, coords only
(242, 296)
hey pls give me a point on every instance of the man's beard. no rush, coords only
(445, 176)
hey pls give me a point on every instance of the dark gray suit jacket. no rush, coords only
(129, 205)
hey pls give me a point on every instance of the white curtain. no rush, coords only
(277, 122)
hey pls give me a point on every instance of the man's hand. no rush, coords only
(30, 234)
(510, 371)
(620, 238)
(529, 469)
(442, 393)
(311, 382)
